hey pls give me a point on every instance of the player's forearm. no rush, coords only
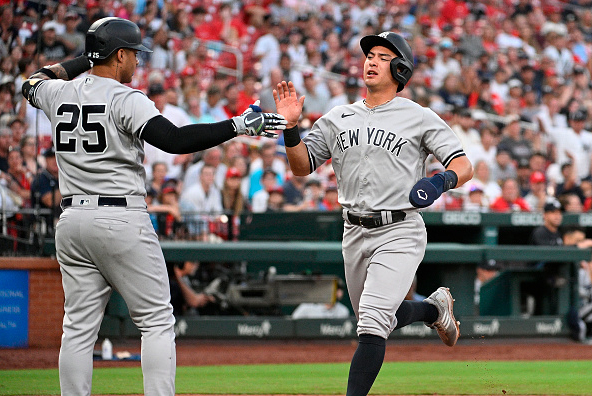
(298, 158)
(66, 70)
(463, 169)
(163, 134)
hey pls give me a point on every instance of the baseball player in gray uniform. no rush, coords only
(104, 238)
(378, 148)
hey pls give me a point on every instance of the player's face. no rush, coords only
(377, 67)
(129, 65)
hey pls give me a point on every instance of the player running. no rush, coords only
(378, 148)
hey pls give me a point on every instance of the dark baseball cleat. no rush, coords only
(447, 326)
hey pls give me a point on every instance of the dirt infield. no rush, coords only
(215, 352)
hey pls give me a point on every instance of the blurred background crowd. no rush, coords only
(511, 77)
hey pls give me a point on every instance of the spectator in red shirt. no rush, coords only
(248, 94)
(510, 200)
(231, 107)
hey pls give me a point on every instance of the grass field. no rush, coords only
(401, 378)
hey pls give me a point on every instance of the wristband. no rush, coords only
(450, 180)
(47, 72)
(76, 66)
(291, 137)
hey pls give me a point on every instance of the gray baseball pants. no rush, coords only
(379, 267)
(100, 248)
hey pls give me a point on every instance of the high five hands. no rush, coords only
(287, 102)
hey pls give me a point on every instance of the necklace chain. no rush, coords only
(372, 107)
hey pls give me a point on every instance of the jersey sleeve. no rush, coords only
(439, 139)
(316, 143)
(132, 109)
(43, 93)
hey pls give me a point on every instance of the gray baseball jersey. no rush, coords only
(96, 123)
(97, 137)
(378, 155)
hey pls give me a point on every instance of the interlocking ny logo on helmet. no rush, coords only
(109, 34)
(402, 66)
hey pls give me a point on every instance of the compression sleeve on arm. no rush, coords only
(163, 134)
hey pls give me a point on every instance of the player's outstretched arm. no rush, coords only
(289, 105)
(428, 189)
(163, 134)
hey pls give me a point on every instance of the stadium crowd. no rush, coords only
(511, 77)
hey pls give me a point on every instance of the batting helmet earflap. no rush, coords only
(402, 66)
(109, 34)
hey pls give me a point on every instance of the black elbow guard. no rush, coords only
(29, 88)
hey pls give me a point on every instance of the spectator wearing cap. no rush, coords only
(260, 198)
(445, 64)
(275, 202)
(510, 199)
(44, 188)
(52, 47)
(523, 176)
(177, 116)
(513, 141)
(486, 271)
(537, 197)
(574, 143)
(233, 200)
(72, 38)
(475, 200)
(548, 234)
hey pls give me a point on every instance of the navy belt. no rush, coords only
(376, 219)
(103, 201)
